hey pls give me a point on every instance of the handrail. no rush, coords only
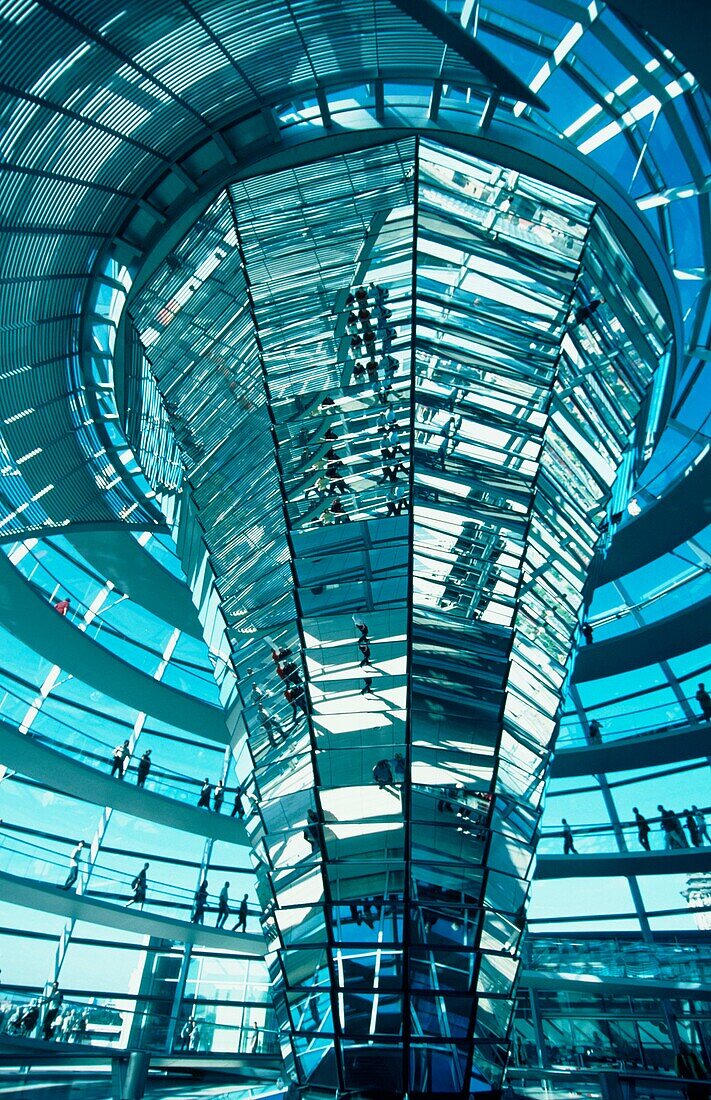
(159, 892)
(97, 1015)
(606, 722)
(695, 674)
(593, 831)
(160, 778)
(78, 605)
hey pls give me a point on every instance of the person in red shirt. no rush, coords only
(62, 606)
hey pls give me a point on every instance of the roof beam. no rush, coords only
(454, 36)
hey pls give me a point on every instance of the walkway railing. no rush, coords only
(600, 838)
(201, 1026)
(85, 748)
(660, 718)
(26, 853)
(672, 960)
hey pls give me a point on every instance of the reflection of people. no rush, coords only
(361, 627)
(382, 774)
(82, 1026)
(671, 827)
(311, 830)
(51, 1015)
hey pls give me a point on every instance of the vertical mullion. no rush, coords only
(328, 905)
(406, 791)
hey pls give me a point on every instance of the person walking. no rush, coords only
(139, 886)
(144, 767)
(692, 828)
(594, 730)
(678, 831)
(568, 845)
(121, 756)
(200, 903)
(311, 832)
(219, 797)
(700, 824)
(643, 829)
(62, 606)
(54, 1004)
(671, 827)
(587, 633)
(238, 808)
(223, 906)
(205, 795)
(704, 701)
(585, 312)
(241, 925)
(74, 858)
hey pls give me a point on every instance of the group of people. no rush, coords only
(289, 677)
(389, 772)
(211, 796)
(366, 911)
(363, 643)
(694, 820)
(189, 1038)
(368, 322)
(46, 1017)
(670, 825)
(372, 335)
(120, 760)
(448, 442)
(139, 888)
(200, 907)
